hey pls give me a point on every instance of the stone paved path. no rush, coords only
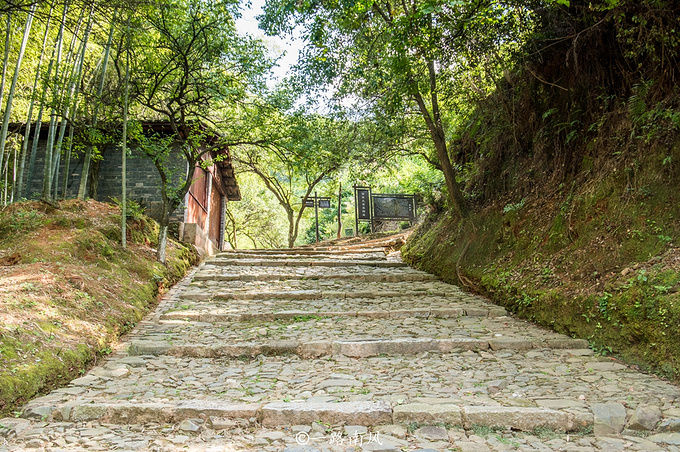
(345, 349)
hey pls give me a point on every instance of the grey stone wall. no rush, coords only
(143, 181)
(34, 175)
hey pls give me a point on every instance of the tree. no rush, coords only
(189, 66)
(313, 148)
(399, 56)
(255, 220)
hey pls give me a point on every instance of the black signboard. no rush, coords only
(309, 202)
(363, 199)
(324, 203)
(394, 207)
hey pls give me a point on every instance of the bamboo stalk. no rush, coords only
(47, 170)
(27, 132)
(100, 89)
(12, 89)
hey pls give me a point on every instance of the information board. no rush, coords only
(394, 207)
(363, 199)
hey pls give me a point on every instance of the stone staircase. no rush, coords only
(334, 348)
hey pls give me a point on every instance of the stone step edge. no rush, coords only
(299, 251)
(352, 348)
(307, 256)
(408, 277)
(197, 316)
(279, 414)
(305, 263)
(312, 295)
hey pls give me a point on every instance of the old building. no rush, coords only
(200, 219)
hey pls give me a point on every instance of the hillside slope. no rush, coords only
(68, 290)
(573, 167)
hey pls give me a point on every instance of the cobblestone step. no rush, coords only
(358, 348)
(373, 366)
(327, 284)
(280, 414)
(198, 313)
(500, 332)
(306, 263)
(313, 288)
(214, 276)
(305, 256)
(567, 379)
(331, 295)
(320, 272)
(322, 251)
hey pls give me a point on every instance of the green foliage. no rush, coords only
(133, 210)
(651, 123)
(20, 221)
(514, 207)
(257, 220)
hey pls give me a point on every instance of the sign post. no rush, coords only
(318, 203)
(316, 215)
(339, 212)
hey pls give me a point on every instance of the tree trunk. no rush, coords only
(163, 222)
(93, 179)
(70, 98)
(14, 176)
(8, 45)
(162, 241)
(5, 62)
(292, 233)
(452, 184)
(67, 162)
(43, 103)
(434, 125)
(232, 228)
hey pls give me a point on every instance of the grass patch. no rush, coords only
(69, 291)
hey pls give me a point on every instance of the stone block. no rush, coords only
(424, 413)
(87, 412)
(148, 348)
(446, 313)
(355, 413)
(431, 433)
(461, 343)
(517, 418)
(567, 343)
(670, 425)
(645, 418)
(511, 344)
(672, 439)
(315, 349)
(608, 418)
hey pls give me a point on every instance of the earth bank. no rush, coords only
(68, 290)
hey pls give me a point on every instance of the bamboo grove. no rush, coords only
(52, 58)
(66, 67)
